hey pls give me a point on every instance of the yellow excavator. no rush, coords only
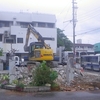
(38, 51)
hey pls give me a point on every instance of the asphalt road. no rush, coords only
(96, 73)
(8, 95)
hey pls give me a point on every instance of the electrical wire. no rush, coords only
(92, 11)
(91, 16)
(88, 31)
(67, 12)
(88, 18)
(66, 25)
(62, 12)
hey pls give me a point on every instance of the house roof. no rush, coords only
(90, 45)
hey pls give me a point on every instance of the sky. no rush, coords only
(88, 15)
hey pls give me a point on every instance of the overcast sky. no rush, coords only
(88, 15)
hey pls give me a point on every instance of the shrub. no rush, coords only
(15, 81)
(19, 87)
(43, 75)
(1, 51)
(53, 75)
(4, 80)
(55, 87)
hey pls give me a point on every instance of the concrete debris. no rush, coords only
(87, 83)
(82, 82)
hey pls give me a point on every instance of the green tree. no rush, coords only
(62, 40)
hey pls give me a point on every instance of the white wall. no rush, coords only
(4, 29)
(27, 17)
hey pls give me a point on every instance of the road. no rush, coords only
(90, 72)
(7, 95)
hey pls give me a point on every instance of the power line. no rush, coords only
(89, 12)
(89, 15)
(88, 31)
(67, 11)
(88, 18)
(62, 11)
(66, 25)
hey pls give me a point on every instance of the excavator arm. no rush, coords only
(37, 35)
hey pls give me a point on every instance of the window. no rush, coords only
(9, 40)
(82, 47)
(94, 59)
(24, 24)
(34, 24)
(83, 53)
(96, 46)
(50, 25)
(19, 40)
(14, 38)
(70, 55)
(40, 24)
(0, 37)
(76, 46)
(77, 54)
(5, 23)
(47, 38)
(89, 47)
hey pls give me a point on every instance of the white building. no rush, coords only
(16, 24)
(82, 49)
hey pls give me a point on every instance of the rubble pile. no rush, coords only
(83, 80)
(87, 82)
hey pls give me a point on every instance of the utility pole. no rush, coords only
(74, 19)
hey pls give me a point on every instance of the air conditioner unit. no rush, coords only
(6, 34)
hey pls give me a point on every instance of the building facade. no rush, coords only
(82, 49)
(97, 47)
(13, 29)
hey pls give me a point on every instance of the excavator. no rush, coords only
(38, 51)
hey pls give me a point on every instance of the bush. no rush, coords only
(15, 81)
(1, 51)
(43, 75)
(4, 80)
(55, 87)
(19, 87)
(53, 75)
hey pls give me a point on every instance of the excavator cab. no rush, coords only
(33, 46)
